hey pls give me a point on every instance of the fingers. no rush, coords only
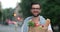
(47, 22)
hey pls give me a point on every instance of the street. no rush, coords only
(9, 28)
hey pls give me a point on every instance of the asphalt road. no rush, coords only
(9, 28)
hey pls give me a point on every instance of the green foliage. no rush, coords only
(50, 9)
(7, 13)
(0, 14)
(31, 24)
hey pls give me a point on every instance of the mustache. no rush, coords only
(36, 15)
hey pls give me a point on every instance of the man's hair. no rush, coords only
(34, 3)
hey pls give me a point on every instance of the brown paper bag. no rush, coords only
(36, 29)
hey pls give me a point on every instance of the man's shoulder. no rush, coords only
(31, 17)
(42, 17)
(28, 18)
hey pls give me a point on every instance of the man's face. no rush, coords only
(35, 10)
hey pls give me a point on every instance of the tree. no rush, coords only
(0, 14)
(7, 14)
(50, 9)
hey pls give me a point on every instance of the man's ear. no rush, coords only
(47, 22)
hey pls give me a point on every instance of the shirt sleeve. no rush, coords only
(49, 27)
(23, 28)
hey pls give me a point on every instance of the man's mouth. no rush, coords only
(35, 11)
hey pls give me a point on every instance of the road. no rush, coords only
(9, 28)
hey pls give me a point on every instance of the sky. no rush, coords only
(9, 3)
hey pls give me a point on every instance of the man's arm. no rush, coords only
(23, 27)
(50, 28)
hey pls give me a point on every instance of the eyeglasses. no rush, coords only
(36, 8)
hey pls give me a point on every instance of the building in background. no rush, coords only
(18, 11)
(18, 15)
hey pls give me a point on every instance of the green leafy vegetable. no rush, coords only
(31, 24)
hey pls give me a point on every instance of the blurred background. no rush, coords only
(12, 11)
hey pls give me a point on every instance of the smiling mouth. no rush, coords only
(35, 11)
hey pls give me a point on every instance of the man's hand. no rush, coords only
(47, 22)
(48, 25)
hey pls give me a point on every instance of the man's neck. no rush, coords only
(36, 17)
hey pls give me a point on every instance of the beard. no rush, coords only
(35, 15)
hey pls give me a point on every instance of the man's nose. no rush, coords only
(35, 9)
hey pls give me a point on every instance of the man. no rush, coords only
(36, 18)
